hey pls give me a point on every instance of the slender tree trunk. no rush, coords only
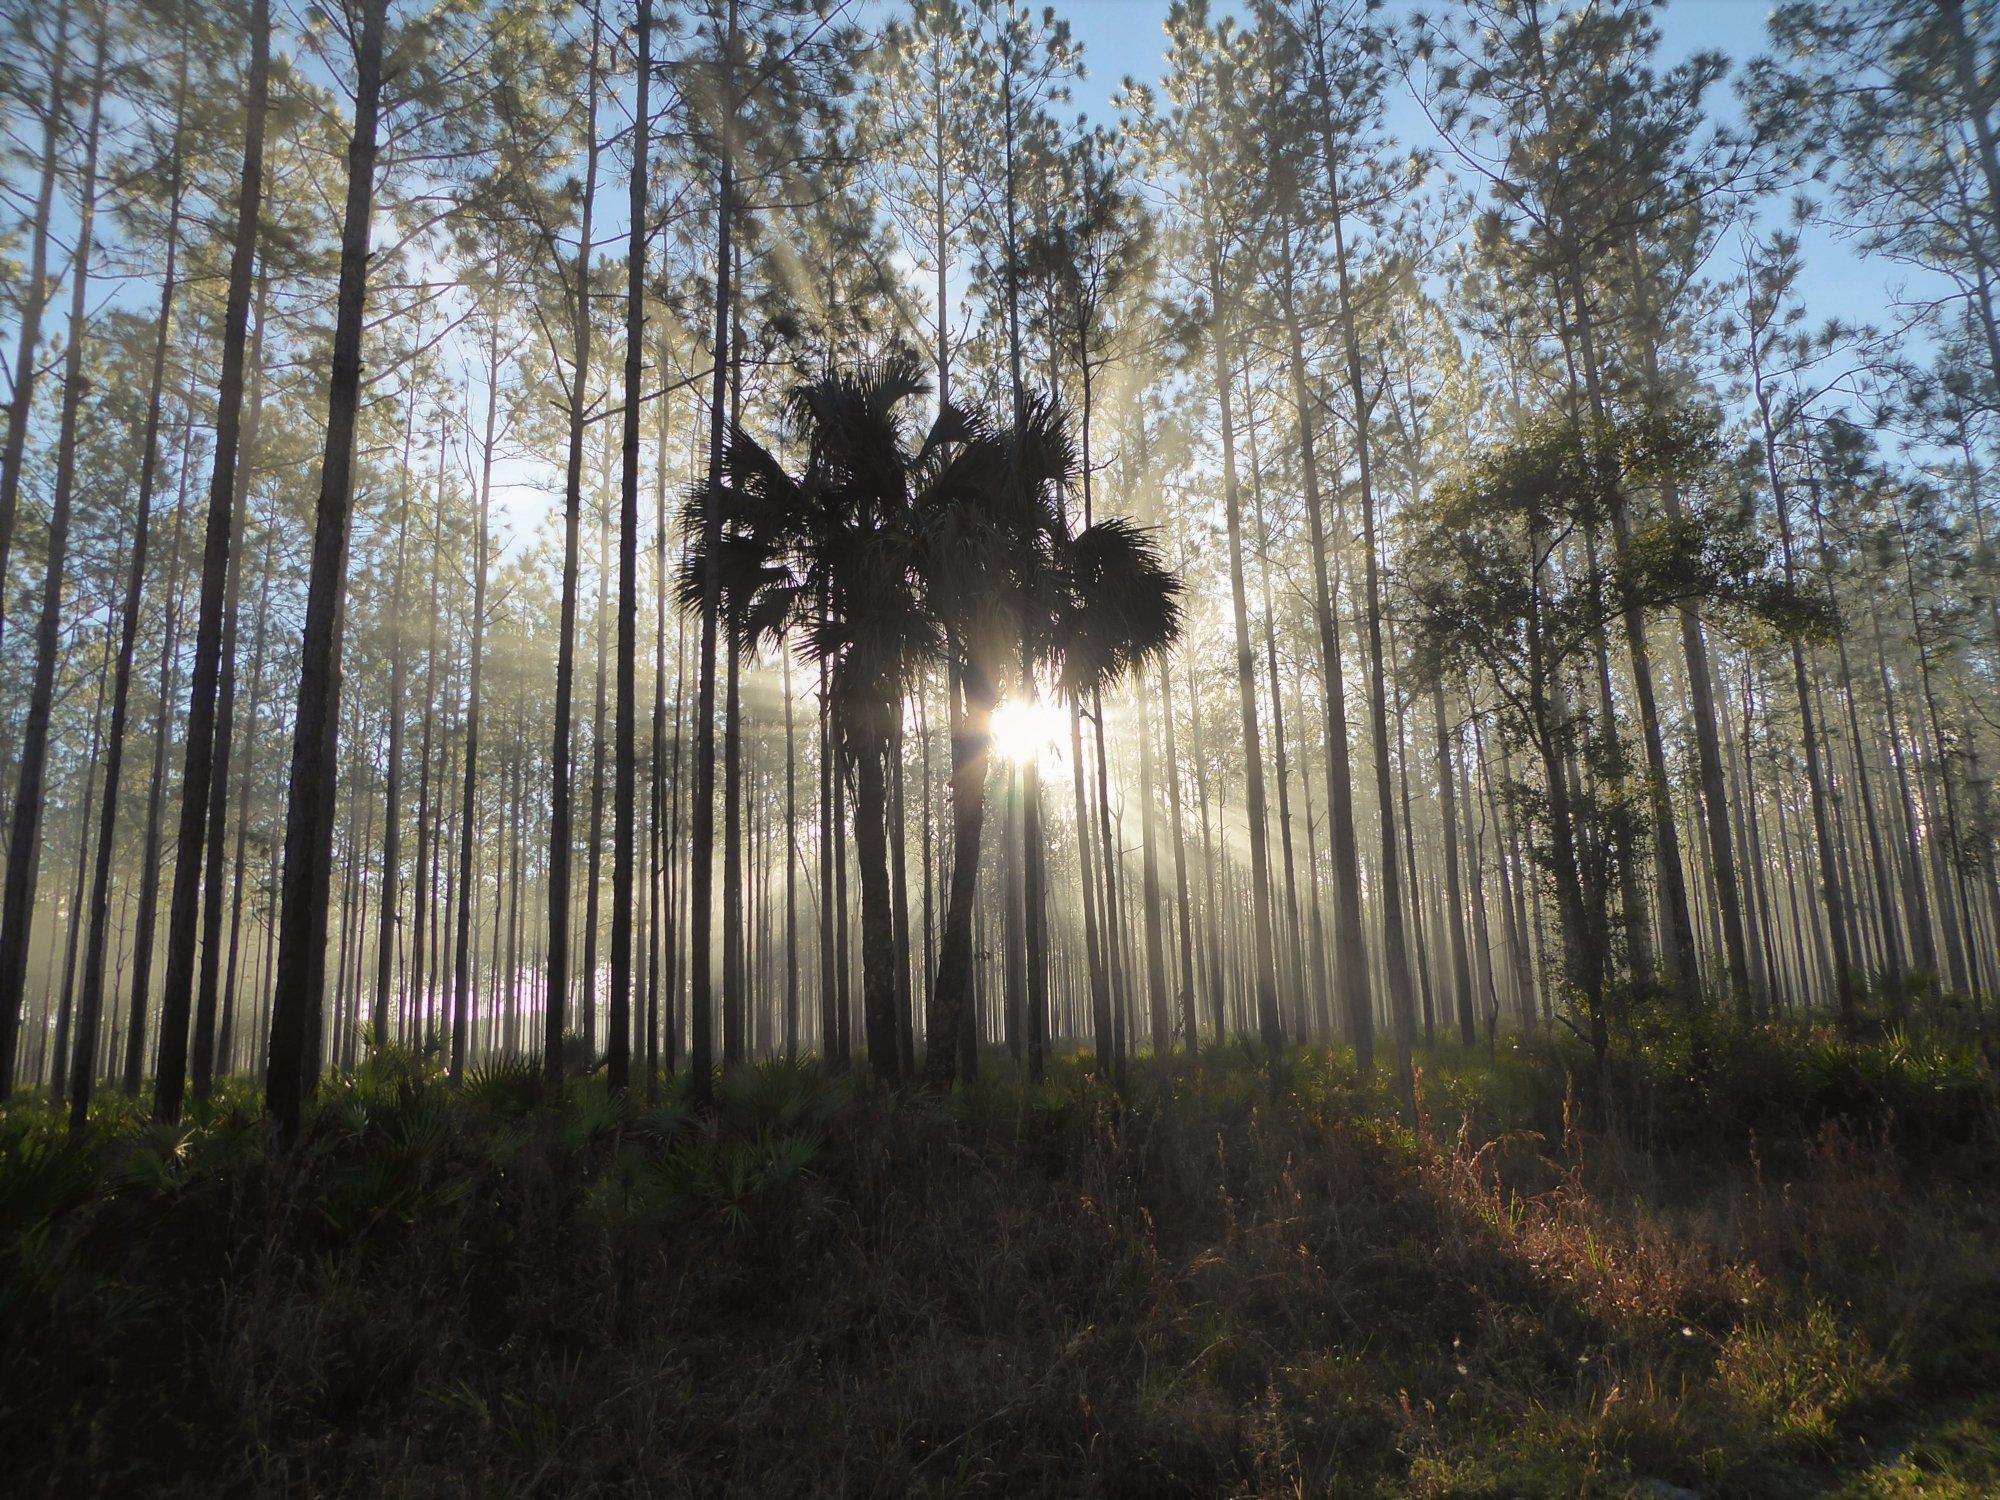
(659, 898)
(476, 658)
(1157, 1012)
(1419, 942)
(208, 980)
(34, 303)
(1189, 1021)
(309, 814)
(65, 1016)
(791, 869)
(145, 924)
(99, 910)
(702, 876)
(392, 790)
(561, 836)
(732, 844)
(1892, 936)
(430, 844)
(1461, 968)
(1349, 942)
(1830, 890)
(899, 881)
(625, 790)
(1270, 1027)
(1396, 959)
(593, 871)
(17, 904)
(184, 911)
(1923, 940)
(1680, 947)
(1034, 903)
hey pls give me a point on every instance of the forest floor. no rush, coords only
(1780, 1276)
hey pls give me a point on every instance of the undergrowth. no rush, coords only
(1775, 1275)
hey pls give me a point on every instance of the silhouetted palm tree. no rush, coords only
(882, 555)
(828, 556)
(1019, 598)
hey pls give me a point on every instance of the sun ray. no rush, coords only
(1029, 729)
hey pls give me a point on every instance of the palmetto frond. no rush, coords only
(1121, 605)
(880, 558)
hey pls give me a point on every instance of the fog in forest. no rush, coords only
(800, 746)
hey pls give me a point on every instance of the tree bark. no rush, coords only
(475, 665)
(34, 303)
(309, 813)
(17, 902)
(701, 880)
(625, 790)
(99, 910)
(561, 835)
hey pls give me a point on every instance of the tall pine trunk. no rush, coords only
(91, 1005)
(1351, 963)
(476, 653)
(34, 303)
(145, 923)
(183, 910)
(392, 788)
(625, 789)
(701, 876)
(561, 836)
(1270, 1028)
(302, 914)
(1461, 968)
(17, 904)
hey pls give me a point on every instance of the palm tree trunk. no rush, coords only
(948, 1012)
(878, 928)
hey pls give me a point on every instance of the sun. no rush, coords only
(1028, 729)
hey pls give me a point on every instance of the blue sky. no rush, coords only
(1124, 38)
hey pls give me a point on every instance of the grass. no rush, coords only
(1778, 1277)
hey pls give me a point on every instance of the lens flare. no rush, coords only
(1027, 729)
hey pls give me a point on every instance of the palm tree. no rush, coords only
(883, 554)
(1019, 597)
(827, 556)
